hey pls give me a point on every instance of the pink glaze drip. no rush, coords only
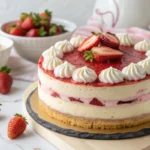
(95, 101)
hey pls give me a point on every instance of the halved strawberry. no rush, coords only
(96, 102)
(110, 40)
(102, 54)
(89, 43)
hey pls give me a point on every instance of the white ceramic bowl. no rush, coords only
(31, 48)
(6, 46)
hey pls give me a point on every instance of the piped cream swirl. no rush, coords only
(84, 75)
(111, 75)
(148, 53)
(77, 41)
(125, 39)
(51, 62)
(64, 70)
(65, 46)
(134, 72)
(142, 46)
(53, 51)
(145, 64)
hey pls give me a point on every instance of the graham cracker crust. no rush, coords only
(93, 123)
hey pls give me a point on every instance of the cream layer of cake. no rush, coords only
(124, 92)
(94, 112)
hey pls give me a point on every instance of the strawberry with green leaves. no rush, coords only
(102, 54)
(16, 126)
(56, 29)
(15, 30)
(35, 32)
(28, 23)
(46, 15)
(6, 80)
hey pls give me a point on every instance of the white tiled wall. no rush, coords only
(75, 10)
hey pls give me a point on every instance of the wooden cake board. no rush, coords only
(64, 142)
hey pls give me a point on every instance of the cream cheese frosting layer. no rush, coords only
(111, 93)
(90, 111)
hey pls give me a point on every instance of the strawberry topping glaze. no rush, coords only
(76, 59)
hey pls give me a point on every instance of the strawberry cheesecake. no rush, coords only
(101, 82)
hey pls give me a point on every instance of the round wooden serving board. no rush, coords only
(45, 126)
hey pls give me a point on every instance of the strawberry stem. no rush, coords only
(5, 69)
(49, 13)
(42, 32)
(88, 55)
(19, 115)
(94, 33)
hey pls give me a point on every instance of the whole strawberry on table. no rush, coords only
(16, 126)
(35, 25)
(6, 80)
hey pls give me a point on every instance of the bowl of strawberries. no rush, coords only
(35, 32)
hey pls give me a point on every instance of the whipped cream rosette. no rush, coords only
(65, 46)
(125, 39)
(111, 75)
(51, 62)
(84, 74)
(64, 70)
(134, 72)
(142, 46)
(53, 51)
(77, 41)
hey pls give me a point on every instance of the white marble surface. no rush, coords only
(11, 104)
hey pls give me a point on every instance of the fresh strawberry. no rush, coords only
(18, 23)
(75, 99)
(23, 16)
(36, 32)
(28, 23)
(110, 40)
(6, 80)
(102, 54)
(32, 33)
(56, 29)
(96, 102)
(46, 15)
(17, 31)
(89, 43)
(16, 126)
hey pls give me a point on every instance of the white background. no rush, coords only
(77, 11)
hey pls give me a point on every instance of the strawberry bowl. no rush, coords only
(31, 48)
(5, 50)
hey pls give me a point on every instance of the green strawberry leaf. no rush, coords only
(35, 18)
(19, 115)
(94, 33)
(53, 30)
(42, 32)
(5, 69)
(23, 16)
(88, 55)
(49, 13)
(63, 28)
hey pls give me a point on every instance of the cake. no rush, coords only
(101, 82)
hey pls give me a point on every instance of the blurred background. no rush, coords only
(77, 11)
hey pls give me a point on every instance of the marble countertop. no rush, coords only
(11, 104)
